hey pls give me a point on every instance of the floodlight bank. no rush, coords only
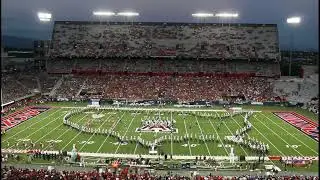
(128, 14)
(294, 20)
(202, 15)
(44, 15)
(104, 13)
(227, 15)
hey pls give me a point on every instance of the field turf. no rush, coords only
(283, 139)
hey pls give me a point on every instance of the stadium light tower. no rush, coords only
(103, 14)
(202, 16)
(128, 15)
(293, 21)
(226, 15)
(44, 17)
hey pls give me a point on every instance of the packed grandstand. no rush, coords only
(149, 61)
(189, 64)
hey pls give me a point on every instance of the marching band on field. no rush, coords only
(240, 137)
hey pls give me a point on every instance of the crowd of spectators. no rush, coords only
(12, 88)
(163, 65)
(296, 90)
(313, 105)
(10, 173)
(47, 82)
(22, 84)
(181, 88)
(72, 39)
(70, 87)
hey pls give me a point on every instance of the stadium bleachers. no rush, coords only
(238, 41)
(297, 89)
(163, 65)
(179, 88)
(12, 88)
(15, 173)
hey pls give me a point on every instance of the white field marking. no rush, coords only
(65, 131)
(94, 133)
(218, 137)
(30, 125)
(48, 133)
(267, 139)
(171, 145)
(185, 126)
(171, 139)
(158, 109)
(114, 126)
(135, 149)
(135, 115)
(231, 133)
(60, 129)
(54, 120)
(290, 133)
(71, 140)
(279, 137)
(203, 136)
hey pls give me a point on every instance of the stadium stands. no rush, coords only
(69, 87)
(12, 88)
(47, 82)
(162, 65)
(93, 40)
(18, 173)
(299, 90)
(17, 85)
(181, 88)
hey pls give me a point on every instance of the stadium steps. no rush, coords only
(56, 86)
(84, 83)
(21, 84)
(38, 83)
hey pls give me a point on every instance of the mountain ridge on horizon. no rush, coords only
(18, 42)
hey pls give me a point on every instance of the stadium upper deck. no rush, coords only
(115, 39)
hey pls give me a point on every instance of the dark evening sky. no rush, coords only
(19, 17)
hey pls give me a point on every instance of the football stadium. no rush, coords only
(127, 99)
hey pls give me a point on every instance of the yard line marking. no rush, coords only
(31, 125)
(231, 132)
(185, 126)
(290, 134)
(171, 140)
(203, 136)
(267, 139)
(218, 135)
(71, 140)
(135, 115)
(279, 137)
(109, 134)
(135, 149)
(171, 146)
(65, 131)
(54, 120)
(95, 133)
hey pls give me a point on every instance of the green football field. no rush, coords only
(282, 138)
